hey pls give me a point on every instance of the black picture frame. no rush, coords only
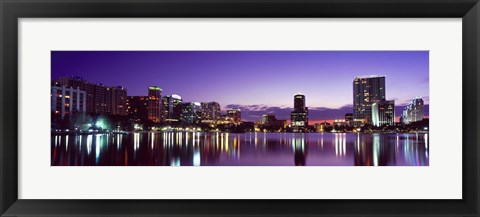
(12, 10)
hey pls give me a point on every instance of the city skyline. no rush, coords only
(212, 77)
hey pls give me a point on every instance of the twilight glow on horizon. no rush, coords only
(255, 81)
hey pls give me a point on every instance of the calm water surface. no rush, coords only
(248, 149)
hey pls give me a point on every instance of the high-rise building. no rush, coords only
(366, 91)
(79, 83)
(172, 108)
(299, 115)
(299, 103)
(191, 112)
(137, 107)
(383, 113)
(414, 111)
(102, 104)
(211, 111)
(100, 99)
(154, 104)
(119, 100)
(235, 115)
(66, 101)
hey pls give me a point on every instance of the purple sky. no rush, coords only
(253, 80)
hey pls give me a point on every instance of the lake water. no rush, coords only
(246, 149)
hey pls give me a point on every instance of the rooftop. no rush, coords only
(369, 76)
(154, 88)
(175, 96)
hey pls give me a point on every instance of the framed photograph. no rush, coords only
(180, 108)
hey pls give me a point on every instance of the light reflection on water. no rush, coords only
(248, 149)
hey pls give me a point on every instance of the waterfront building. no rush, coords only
(137, 107)
(110, 100)
(280, 124)
(102, 104)
(340, 123)
(119, 100)
(225, 119)
(83, 85)
(349, 119)
(191, 112)
(321, 127)
(383, 113)
(235, 115)
(299, 115)
(211, 112)
(66, 101)
(269, 120)
(100, 99)
(366, 91)
(155, 104)
(414, 111)
(172, 108)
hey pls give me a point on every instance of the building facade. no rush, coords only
(269, 120)
(155, 104)
(349, 119)
(100, 99)
(191, 113)
(299, 115)
(383, 113)
(172, 108)
(137, 107)
(211, 111)
(102, 103)
(366, 91)
(414, 112)
(79, 83)
(66, 101)
(235, 115)
(119, 100)
(321, 127)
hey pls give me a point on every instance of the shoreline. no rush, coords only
(132, 132)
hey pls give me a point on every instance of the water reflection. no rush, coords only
(299, 149)
(249, 149)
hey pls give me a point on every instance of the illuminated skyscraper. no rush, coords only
(191, 112)
(366, 91)
(211, 111)
(299, 115)
(383, 113)
(172, 108)
(154, 104)
(235, 115)
(414, 111)
(299, 102)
